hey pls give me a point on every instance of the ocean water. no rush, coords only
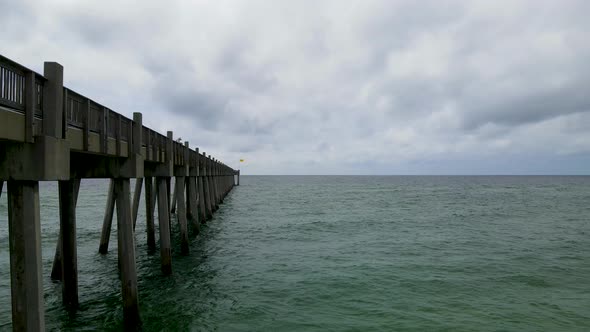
(343, 253)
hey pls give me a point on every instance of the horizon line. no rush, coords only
(414, 174)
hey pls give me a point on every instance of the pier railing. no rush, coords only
(89, 125)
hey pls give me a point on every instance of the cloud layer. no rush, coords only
(333, 87)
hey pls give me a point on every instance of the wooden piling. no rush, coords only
(149, 213)
(219, 185)
(189, 207)
(56, 268)
(214, 206)
(126, 249)
(201, 202)
(173, 204)
(69, 257)
(181, 215)
(212, 199)
(191, 193)
(168, 197)
(207, 198)
(164, 221)
(28, 310)
(214, 184)
(56, 272)
(200, 189)
(108, 220)
(136, 198)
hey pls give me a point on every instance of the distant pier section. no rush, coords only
(49, 132)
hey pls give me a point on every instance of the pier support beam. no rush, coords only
(201, 202)
(126, 248)
(212, 199)
(56, 270)
(207, 198)
(164, 221)
(216, 199)
(28, 310)
(136, 198)
(206, 186)
(210, 180)
(108, 220)
(189, 207)
(173, 204)
(193, 210)
(150, 199)
(181, 215)
(68, 194)
(168, 197)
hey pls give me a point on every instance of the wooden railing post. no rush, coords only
(104, 132)
(169, 160)
(86, 134)
(30, 102)
(137, 134)
(118, 136)
(53, 99)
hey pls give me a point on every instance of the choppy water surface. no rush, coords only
(319, 253)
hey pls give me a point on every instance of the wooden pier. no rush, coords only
(49, 132)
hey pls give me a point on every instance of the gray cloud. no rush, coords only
(332, 86)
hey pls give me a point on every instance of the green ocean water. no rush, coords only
(344, 253)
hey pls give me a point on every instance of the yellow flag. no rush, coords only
(241, 160)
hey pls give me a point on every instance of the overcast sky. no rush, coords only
(333, 87)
